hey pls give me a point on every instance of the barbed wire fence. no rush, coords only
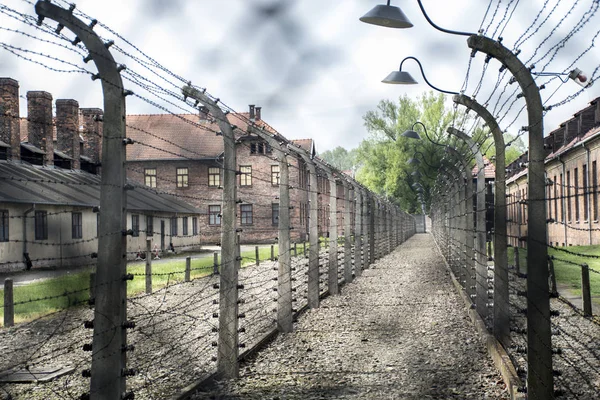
(170, 336)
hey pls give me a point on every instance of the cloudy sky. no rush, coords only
(312, 66)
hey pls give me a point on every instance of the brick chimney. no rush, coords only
(10, 127)
(587, 119)
(91, 120)
(40, 128)
(258, 112)
(251, 111)
(67, 129)
(571, 129)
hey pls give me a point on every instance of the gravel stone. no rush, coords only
(400, 331)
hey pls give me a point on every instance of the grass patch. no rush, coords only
(567, 273)
(47, 296)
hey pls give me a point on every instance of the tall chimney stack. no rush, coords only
(67, 129)
(251, 112)
(92, 133)
(10, 127)
(39, 128)
(258, 112)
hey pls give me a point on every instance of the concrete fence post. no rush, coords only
(110, 315)
(284, 277)
(540, 380)
(357, 231)
(372, 211)
(148, 265)
(228, 342)
(188, 269)
(9, 308)
(313, 221)
(273, 248)
(332, 281)
(257, 255)
(347, 234)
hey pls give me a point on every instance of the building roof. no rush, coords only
(306, 144)
(489, 169)
(30, 184)
(180, 136)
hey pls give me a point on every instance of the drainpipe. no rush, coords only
(562, 200)
(587, 189)
(28, 264)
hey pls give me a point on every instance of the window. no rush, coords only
(135, 225)
(275, 213)
(302, 177)
(149, 225)
(3, 225)
(150, 177)
(275, 175)
(173, 226)
(214, 215)
(41, 225)
(569, 196)
(562, 197)
(184, 224)
(576, 184)
(584, 186)
(246, 214)
(555, 199)
(76, 225)
(260, 148)
(182, 177)
(594, 191)
(245, 175)
(214, 177)
(194, 226)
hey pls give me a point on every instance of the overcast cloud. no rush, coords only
(311, 64)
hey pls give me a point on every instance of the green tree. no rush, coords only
(384, 155)
(340, 158)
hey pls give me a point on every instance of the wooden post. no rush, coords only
(553, 288)
(92, 287)
(9, 308)
(188, 268)
(148, 265)
(256, 255)
(273, 252)
(295, 249)
(215, 263)
(585, 290)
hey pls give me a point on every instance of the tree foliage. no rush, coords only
(385, 154)
(341, 158)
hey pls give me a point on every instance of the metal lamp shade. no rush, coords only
(399, 78)
(416, 174)
(411, 134)
(414, 161)
(388, 16)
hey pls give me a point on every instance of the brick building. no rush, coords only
(572, 198)
(50, 192)
(179, 155)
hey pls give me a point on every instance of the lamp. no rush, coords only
(412, 134)
(393, 17)
(386, 15)
(404, 78)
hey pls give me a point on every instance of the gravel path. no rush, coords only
(398, 332)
